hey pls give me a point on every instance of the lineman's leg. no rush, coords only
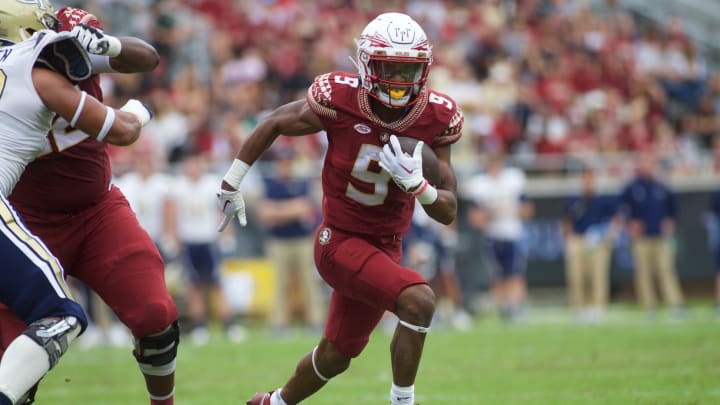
(32, 286)
(124, 267)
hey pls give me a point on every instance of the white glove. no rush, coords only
(141, 110)
(404, 169)
(232, 205)
(96, 42)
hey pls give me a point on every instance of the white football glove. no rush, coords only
(96, 42)
(405, 170)
(232, 205)
(141, 110)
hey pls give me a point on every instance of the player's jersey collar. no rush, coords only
(400, 125)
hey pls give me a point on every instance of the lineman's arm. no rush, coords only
(444, 209)
(118, 127)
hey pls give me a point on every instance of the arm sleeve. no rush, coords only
(100, 64)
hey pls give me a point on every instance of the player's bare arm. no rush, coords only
(292, 119)
(136, 56)
(117, 127)
(444, 209)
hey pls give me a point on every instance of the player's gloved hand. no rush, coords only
(232, 205)
(96, 42)
(231, 202)
(405, 170)
(141, 110)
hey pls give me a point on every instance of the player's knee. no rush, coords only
(329, 360)
(416, 305)
(54, 335)
(155, 354)
(155, 316)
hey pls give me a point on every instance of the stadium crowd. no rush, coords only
(549, 81)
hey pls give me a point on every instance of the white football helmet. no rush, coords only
(393, 57)
(19, 19)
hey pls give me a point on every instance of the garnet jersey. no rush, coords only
(358, 196)
(74, 170)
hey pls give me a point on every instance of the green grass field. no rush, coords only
(547, 360)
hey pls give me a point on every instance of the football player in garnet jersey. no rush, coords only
(369, 188)
(65, 197)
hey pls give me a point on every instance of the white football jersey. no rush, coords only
(197, 212)
(147, 197)
(24, 118)
(501, 196)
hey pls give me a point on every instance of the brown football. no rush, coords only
(431, 167)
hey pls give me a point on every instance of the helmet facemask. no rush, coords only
(397, 81)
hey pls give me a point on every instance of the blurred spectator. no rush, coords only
(715, 211)
(590, 227)
(148, 191)
(429, 247)
(651, 210)
(499, 209)
(290, 215)
(196, 220)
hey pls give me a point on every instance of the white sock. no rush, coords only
(276, 399)
(23, 364)
(402, 395)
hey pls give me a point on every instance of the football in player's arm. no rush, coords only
(369, 190)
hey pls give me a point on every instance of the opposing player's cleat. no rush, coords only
(260, 398)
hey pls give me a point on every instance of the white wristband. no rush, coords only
(78, 111)
(236, 173)
(427, 194)
(107, 124)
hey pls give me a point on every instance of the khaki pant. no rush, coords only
(288, 255)
(655, 256)
(587, 265)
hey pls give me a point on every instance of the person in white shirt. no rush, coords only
(499, 207)
(195, 224)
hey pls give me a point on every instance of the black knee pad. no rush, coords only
(160, 349)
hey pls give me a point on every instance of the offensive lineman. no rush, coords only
(358, 248)
(92, 229)
(37, 71)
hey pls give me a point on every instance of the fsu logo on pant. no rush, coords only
(324, 236)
